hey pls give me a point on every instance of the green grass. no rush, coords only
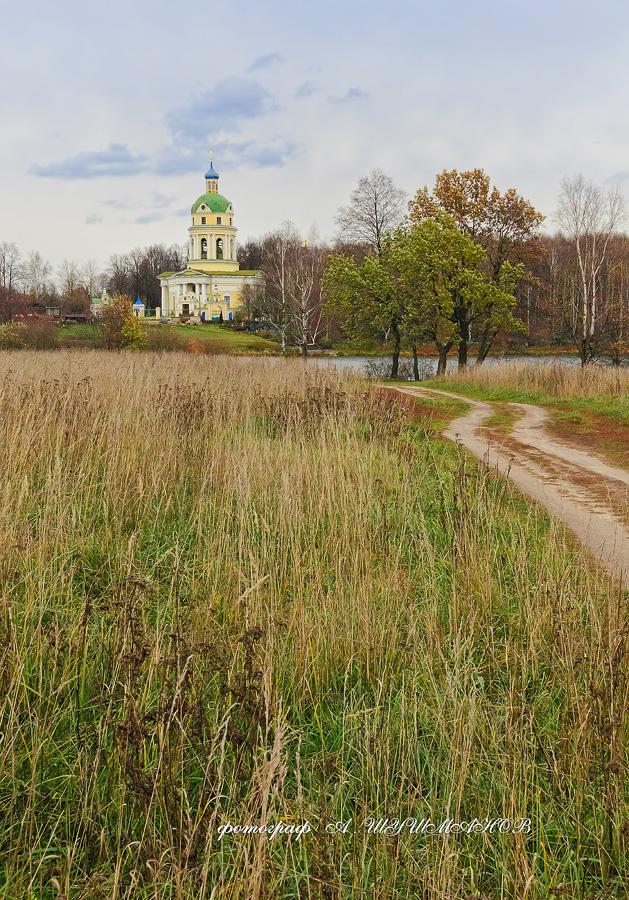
(216, 337)
(213, 338)
(248, 590)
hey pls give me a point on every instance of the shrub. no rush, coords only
(120, 327)
(13, 336)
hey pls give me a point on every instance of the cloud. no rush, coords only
(161, 201)
(618, 178)
(231, 101)
(350, 96)
(94, 219)
(148, 218)
(123, 203)
(273, 156)
(265, 62)
(175, 161)
(306, 89)
(116, 160)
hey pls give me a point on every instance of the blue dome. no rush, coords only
(211, 172)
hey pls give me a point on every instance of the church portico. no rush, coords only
(211, 286)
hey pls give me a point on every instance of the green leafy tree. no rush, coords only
(505, 225)
(446, 288)
(367, 294)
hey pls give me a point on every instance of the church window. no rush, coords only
(219, 221)
(203, 248)
(231, 221)
(219, 248)
(203, 222)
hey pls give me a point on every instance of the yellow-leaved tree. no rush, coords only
(120, 327)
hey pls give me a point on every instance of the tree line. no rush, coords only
(30, 280)
(461, 266)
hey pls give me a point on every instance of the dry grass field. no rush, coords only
(538, 381)
(251, 591)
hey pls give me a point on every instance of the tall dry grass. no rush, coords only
(547, 380)
(249, 591)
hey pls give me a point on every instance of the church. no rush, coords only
(212, 286)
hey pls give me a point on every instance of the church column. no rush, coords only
(165, 304)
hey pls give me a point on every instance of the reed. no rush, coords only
(250, 591)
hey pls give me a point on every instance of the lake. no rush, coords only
(428, 365)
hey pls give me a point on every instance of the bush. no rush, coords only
(159, 338)
(380, 369)
(41, 334)
(133, 335)
(120, 327)
(13, 336)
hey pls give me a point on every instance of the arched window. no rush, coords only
(203, 248)
(219, 248)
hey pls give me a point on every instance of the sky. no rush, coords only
(110, 109)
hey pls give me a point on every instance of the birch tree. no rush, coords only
(278, 247)
(308, 261)
(588, 216)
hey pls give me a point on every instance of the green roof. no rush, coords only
(215, 202)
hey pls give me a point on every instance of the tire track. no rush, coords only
(594, 523)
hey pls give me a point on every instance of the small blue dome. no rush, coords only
(138, 302)
(211, 172)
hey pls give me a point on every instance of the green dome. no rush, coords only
(215, 202)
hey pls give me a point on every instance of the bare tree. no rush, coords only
(11, 268)
(69, 280)
(37, 276)
(278, 248)
(376, 208)
(307, 263)
(91, 279)
(589, 216)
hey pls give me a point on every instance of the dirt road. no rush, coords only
(578, 488)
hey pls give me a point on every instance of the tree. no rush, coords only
(11, 267)
(278, 246)
(136, 273)
(90, 279)
(368, 296)
(292, 300)
(250, 255)
(120, 327)
(37, 277)
(304, 286)
(133, 335)
(445, 288)
(376, 208)
(505, 225)
(589, 216)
